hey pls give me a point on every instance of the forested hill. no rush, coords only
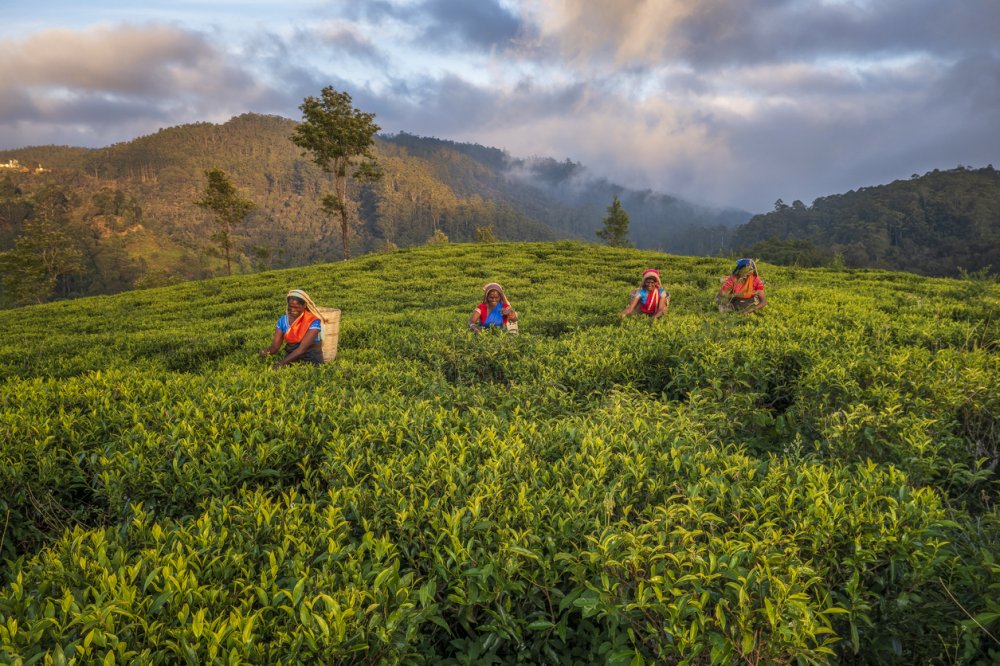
(124, 215)
(937, 224)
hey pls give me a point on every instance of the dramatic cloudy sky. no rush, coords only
(730, 102)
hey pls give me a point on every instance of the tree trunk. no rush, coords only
(342, 194)
(227, 242)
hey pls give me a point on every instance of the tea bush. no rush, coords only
(813, 484)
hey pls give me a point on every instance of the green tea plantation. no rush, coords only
(813, 484)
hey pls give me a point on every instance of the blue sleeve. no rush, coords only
(282, 324)
(317, 325)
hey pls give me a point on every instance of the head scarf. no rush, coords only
(297, 329)
(487, 317)
(652, 303)
(743, 263)
(495, 285)
(653, 273)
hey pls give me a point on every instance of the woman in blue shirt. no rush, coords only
(650, 298)
(494, 312)
(301, 329)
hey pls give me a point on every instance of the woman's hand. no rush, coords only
(633, 302)
(275, 344)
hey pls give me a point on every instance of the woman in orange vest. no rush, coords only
(300, 328)
(650, 298)
(495, 312)
(742, 291)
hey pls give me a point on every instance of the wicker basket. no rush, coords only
(331, 332)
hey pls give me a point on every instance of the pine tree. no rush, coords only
(615, 229)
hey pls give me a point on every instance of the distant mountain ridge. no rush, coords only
(941, 223)
(127, 216)
(566, 197)
(130, 206)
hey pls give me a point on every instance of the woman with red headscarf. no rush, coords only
(650, 298)
(495, 312)
(300, 329)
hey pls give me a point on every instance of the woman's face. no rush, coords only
(492, 298)
(295, 308)
(648, 284)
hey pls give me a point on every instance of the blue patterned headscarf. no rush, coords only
(743, 263)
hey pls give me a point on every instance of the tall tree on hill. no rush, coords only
(615, 229)
(229, 208)
(338, 136)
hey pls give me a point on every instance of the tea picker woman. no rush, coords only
(743, 290)
(650, 298)
(495, 312)
(300, 329)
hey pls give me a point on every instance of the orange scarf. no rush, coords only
(298, 329)
(745, 290)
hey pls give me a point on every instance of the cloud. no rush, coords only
(733, 103)
(452, 106)
(126, 61)
(345, 40)
(833, 136)
(745, 102)
(99, 82)
(483, 23)
(444, 25)
(716, 33)
(745, 136)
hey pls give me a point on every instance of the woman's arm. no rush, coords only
(509, 312)
(664, 305)
(275, 344)
(631, 306)
(725, 296)
(474, 321)
(761, 302)
(307, 341)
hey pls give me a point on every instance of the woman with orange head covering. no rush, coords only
(650, 298)
(300, 329)
(743, 290)
(495, 312)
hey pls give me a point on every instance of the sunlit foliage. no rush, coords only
(812, 484)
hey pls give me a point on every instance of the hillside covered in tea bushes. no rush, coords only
(813, 484)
